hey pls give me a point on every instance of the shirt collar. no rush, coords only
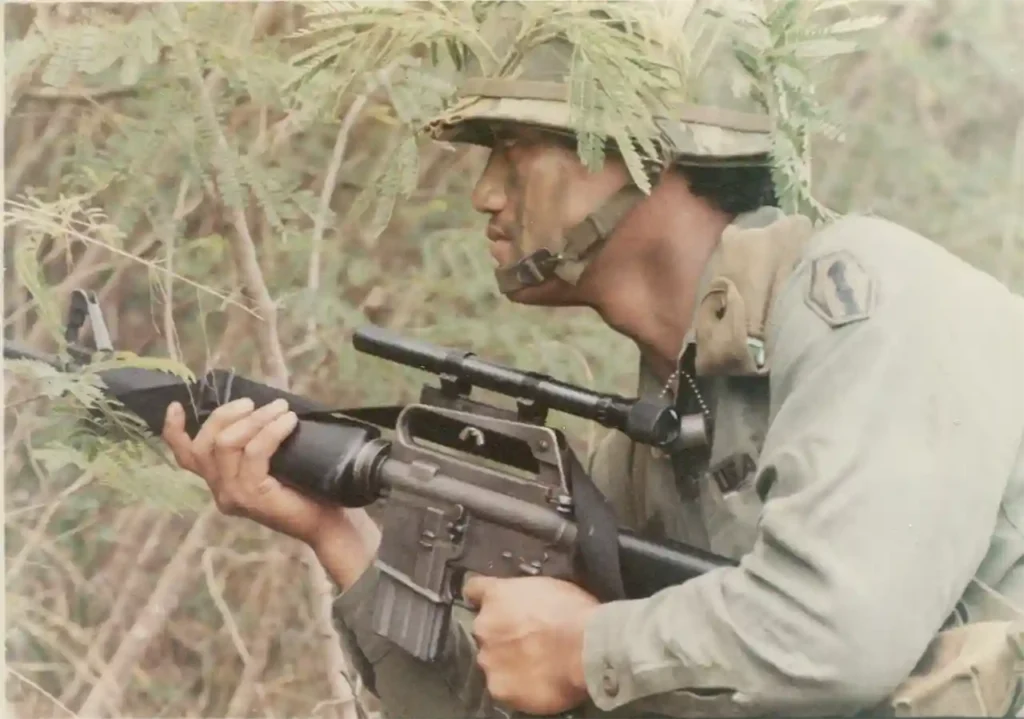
(761, 217)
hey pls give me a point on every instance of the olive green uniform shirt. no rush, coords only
(873, 485)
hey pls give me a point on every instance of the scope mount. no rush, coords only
(456, 389)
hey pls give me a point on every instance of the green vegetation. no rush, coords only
(241, 186)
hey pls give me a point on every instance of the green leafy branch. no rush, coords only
(779, 47)
(93, 432)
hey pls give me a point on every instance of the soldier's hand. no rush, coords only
(232, 453)
(529, 633)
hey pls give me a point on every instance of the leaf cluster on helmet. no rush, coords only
(780, 44)
(630, 63)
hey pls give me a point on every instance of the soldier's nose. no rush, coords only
(489, 194)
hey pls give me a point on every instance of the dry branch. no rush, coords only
(272, 356)
(243, 248)
(27, 155)
(105, 697)
(41, 524)
(56, 702)
(331, 180)
(267, 588)
(119, 611)
(252, 670)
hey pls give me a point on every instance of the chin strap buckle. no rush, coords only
(534, 269)
(579, 245)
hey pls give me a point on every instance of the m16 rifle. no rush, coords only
(463, 486)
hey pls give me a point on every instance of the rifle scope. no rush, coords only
(646, 421)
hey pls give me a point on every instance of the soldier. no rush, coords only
(866, 390)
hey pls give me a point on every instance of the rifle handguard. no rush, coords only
(319, 456)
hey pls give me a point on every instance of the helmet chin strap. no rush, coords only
(578, 246)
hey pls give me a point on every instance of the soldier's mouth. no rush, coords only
(495, 235)
(499, 251)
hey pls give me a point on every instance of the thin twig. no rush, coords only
(39, 689)
(45, 635)
(339, 673)
(269, 599)
(222, 607)
(32, 215)
(244, 248)
(49, 550)
(119, 611)
(170, 333)
(326, 703)
(142, 247)
(78, 93)
(28, 154)
(331, 181)
(90, 265)
(41, 525)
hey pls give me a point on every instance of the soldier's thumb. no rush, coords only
(475, 589)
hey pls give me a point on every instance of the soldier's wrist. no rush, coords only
(346, 545)
(577, 673)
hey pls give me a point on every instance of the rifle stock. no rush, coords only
(463, 485)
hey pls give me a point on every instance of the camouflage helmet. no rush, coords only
(686, 96)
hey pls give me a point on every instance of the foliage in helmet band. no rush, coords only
(655, 82)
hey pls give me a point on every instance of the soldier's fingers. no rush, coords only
(258, 451)
(228, 445)
(226, 414)
(177, 438)
(241, 432)
(221, 417)
(498, 686)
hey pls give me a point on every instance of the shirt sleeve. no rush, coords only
(882, 470)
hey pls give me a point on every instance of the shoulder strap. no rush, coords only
(747, 273)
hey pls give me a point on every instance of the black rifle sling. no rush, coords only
(597, 535)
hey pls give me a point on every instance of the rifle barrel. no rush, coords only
(486, 504)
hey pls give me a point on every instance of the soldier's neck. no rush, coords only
(647, 279)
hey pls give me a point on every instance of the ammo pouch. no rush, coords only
(972, 670)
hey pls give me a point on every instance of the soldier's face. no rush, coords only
(534, 187)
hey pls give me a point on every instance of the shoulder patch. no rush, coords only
(841, 290)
